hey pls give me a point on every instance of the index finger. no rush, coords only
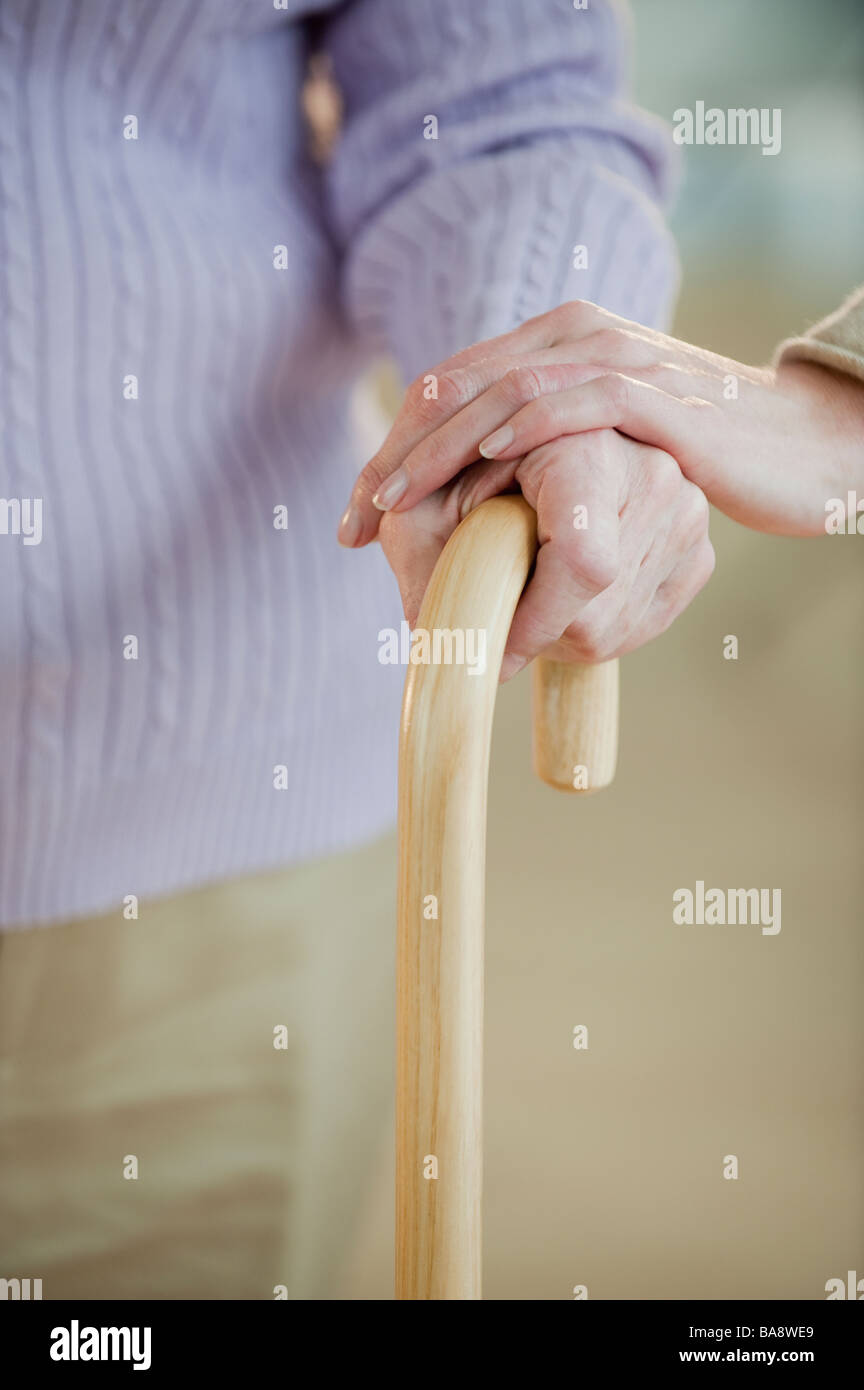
(430, 401)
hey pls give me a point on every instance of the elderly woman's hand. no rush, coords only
(623, 536)
(767, 447)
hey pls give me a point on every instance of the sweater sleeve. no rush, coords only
(838, 341)
(490, 166)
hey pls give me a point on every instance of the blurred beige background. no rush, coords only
(605, 1167)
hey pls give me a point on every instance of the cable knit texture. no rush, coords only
(153, 258)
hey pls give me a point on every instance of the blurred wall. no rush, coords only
(605, 1167)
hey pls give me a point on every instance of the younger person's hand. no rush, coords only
(767, 447)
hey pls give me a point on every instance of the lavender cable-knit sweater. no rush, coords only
(151, 260)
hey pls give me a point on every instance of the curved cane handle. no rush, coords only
(444, 747)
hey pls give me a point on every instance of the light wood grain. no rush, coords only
(575, 713)
(443, 766)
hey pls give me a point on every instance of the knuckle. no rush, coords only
(577, 314)
(601, 570)
(422, 403)
(597, 447)
(370, 478)
(662, 471)
(609, 344)
(589, 567)
(541, 419)
(439, 393)
(521, 384)
(696, 511)
(455, 390)
(616, 391)
(419, 392)
(418, 386)
(590, 639)
(663, 374)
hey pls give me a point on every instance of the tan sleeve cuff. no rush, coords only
(836, 342)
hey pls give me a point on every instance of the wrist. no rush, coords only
(833, 402)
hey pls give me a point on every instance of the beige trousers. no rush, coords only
(233, 1047)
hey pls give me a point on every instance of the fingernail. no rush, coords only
(388, 495)
(510, 665)
(350, 527)
(495, 443)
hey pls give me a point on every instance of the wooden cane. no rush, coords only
(445, 739)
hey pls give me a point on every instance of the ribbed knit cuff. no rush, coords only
(836, 342)
(476, 251)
